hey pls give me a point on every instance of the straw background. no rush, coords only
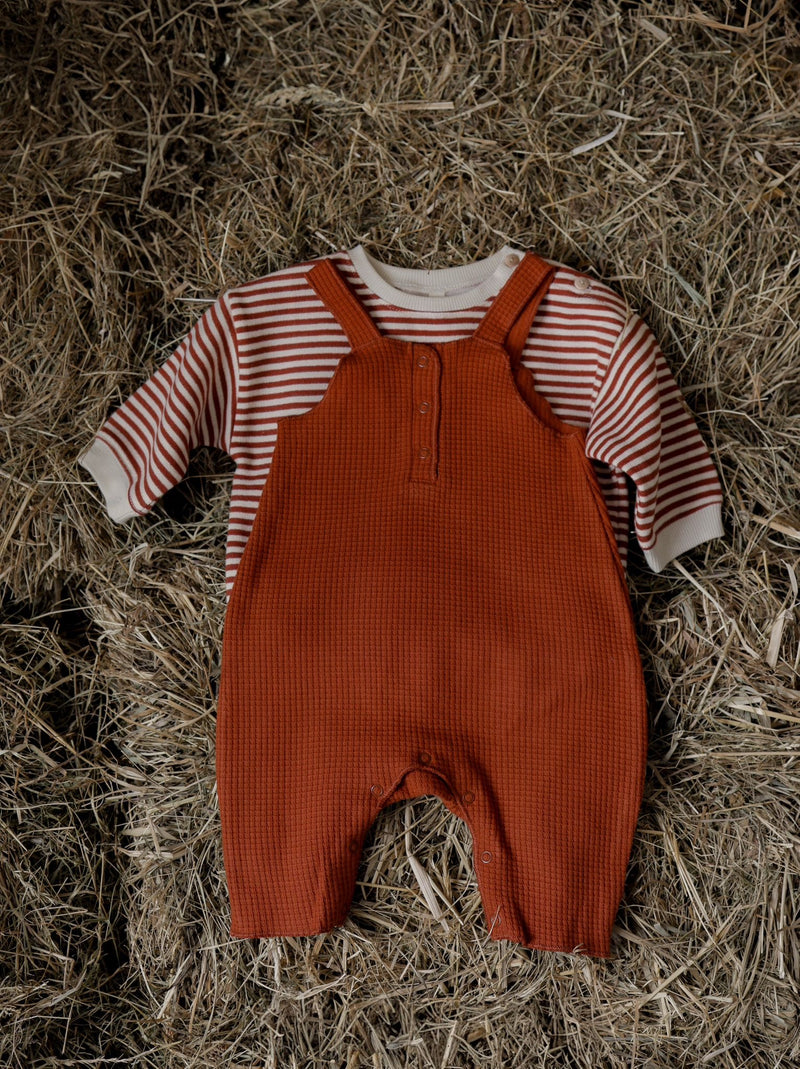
(154, 155)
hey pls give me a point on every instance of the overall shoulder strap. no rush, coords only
(513, 310)
(342, 303)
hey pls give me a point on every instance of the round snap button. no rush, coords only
(424, 454)
(582, 283)
(376, 789)
(424, 406)
(422, 360)
(425, 758)
(353, 844)
(486, 856)
(512, 260)
(467, 797)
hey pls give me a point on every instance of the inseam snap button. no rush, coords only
(424, 406)
(422, 360)
(376, 789)
(468, 797)
(486, 857)
(425, 757)
(424, 454)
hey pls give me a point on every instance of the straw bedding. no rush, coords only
(157, 154)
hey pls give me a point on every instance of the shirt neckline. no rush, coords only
(439, 289)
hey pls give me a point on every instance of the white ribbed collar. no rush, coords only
(440, 289)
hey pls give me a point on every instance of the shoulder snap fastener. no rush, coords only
(486, 857)
(582, 283)
(512, 260)
(425, 758)
(424, 454)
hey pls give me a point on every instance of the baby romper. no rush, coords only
(431, 602)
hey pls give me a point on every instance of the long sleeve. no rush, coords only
(142, 450)
(642, 427)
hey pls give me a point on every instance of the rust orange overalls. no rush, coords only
(431, 602)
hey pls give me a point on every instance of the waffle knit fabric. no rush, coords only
(431, 601)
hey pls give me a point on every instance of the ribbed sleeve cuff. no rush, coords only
(107, 472)
(685, 534)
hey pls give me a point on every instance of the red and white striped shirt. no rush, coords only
(268, 349)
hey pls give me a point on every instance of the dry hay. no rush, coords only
(156, 154)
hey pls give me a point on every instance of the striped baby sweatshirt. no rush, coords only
(267, 349)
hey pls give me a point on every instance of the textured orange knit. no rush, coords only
(431, 601)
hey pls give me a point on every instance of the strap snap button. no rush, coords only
(582, 283)
(512, 260)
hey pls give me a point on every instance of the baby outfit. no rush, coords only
(425, 581)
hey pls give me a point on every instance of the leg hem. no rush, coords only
(238, 931)
(579, 950)
(263, 933)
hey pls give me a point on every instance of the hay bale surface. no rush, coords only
(157, 154)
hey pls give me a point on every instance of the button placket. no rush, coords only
(425, 384)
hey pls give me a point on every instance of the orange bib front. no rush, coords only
(431, 602)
